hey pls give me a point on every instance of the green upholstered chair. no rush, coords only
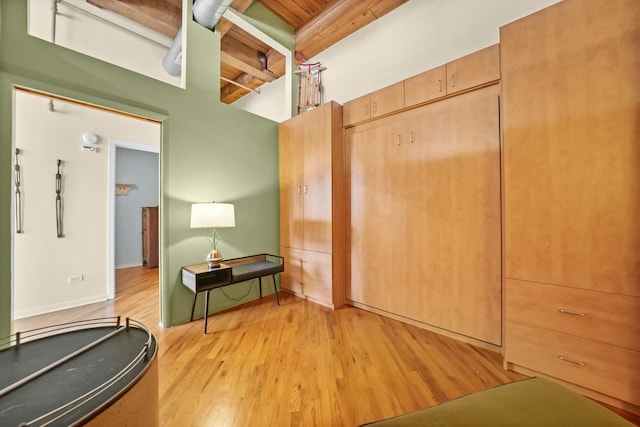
(534, 402)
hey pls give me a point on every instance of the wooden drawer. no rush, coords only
(610, 318)
(318, 277)
(307, 274)
(598, 366)
(291, 277)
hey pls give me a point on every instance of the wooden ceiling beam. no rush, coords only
(230, 93)
(231, 60)
(338, 20)
(159, 15)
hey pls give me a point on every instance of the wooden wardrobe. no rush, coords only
(150, 236)
(312, 205)
(571, 97)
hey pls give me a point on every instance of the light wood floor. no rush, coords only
(299, 364)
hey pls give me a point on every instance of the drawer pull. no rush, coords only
(573, 313)
(575, 362)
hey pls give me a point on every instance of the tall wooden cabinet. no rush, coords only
(424, 190)
(312, 205)
(150, 236)
(572, 195)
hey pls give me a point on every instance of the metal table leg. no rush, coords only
(206, 311)
(275, 289)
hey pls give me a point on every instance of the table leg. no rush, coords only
(260, 281)
(275, 289)
(206, 311)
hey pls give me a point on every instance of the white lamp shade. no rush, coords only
(216, 215)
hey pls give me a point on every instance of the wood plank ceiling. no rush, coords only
(248, 62)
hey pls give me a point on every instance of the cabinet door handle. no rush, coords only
(375, 107)
(299, 190)
(573, 313)
(575, 362)
(398, 139)
(366, 109)
(439, 85)
(411, 137)
(453, 80)
(305, 188)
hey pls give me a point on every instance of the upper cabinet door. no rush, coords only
(356, 110)
(375, 104)
(425, 86)
(387, 99)
(473, 70)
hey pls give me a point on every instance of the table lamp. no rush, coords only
(214, 215)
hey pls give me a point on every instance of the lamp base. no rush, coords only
(214, 258)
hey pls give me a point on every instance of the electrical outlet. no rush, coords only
(75, 279)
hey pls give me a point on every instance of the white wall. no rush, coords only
(417, 36)
(269, 103)
(42, 261)
(87, 34)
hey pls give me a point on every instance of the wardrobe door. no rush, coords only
(572, 157)
(453, 215)
(378, 220)
(291, 183)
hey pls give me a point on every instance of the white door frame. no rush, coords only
(111, 205)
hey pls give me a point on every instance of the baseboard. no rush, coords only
(119, 267)
(308, 298)
(36, 311)
(422, 325)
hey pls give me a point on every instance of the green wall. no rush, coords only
(210, 151)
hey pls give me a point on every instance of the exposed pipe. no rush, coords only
(172, 62)
(206, 13)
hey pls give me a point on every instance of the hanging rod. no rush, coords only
(233, 82)
(105, 20)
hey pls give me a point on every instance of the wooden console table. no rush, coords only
(201, 278)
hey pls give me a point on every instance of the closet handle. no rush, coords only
(453, 80)
(398, 139)
(299, 190)
(439, 85)
(573, 313)
(411, 137)
(575, 362)
(305, 187)
(375, 107)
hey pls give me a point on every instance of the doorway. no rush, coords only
(136, 166)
